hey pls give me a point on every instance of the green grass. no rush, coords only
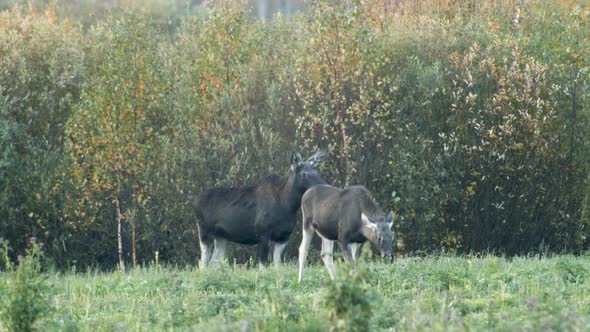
(444, 293)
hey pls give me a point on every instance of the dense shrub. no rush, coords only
(470, 120)
(41, 74)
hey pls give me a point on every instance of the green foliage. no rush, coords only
(42, 70)
(338, 92)
(28, 200)
(23, 299)
(348, 303)
(114, 133)
(572, 270)
(41, 74)
(437, 293)
(469, 119)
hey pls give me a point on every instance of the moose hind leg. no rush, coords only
(304, 249)
(355, 249)
(279, 248)
(219, 252)
(205, 253)
(328, 256)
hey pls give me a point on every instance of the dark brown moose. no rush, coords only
(258, 214)
(349, 216)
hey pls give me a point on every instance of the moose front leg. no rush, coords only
(263, 249)
(346, 253)
(328, 256)
(279, 248)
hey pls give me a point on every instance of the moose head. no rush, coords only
(379, 233)
(305, 173)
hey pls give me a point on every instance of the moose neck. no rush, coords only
(290, 194)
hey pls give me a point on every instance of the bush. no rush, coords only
(348, 302)
(23, 299)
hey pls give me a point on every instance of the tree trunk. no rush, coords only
(346, 152)
(119, 233)
(134, 225)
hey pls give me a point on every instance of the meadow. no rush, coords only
(441, 293)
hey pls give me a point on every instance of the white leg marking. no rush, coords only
(222, 243)
(328, 256)
(348, 258)
(355, 249)
(219, 251)
(304, 249)
(205, 253)
(279, 248)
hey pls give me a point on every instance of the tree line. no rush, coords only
(469, 119)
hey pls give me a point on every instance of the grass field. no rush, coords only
(434, 293)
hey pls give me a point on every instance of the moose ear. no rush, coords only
(365, 219)
(295, 160)
(317, 158)
(389, 219)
